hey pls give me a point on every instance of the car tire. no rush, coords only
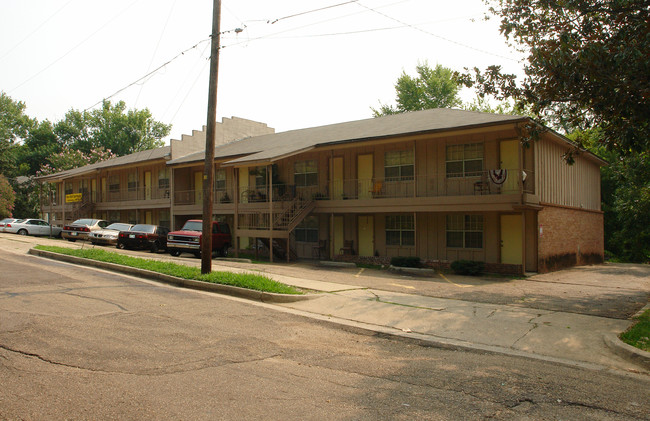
(22, 232)
(197, 254)
(154, 247)
(224, 251)
(72, 240)
(175, 253)
(120, 246)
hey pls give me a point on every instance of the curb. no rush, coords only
(412, 271)
(628, 352)
(267, 297)
(335, 264)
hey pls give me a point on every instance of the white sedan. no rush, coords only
(109, 234)
(32, 227)
(6, 221)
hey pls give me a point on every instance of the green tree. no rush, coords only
(14, 126)
(625, 192)
(38, 146)
(112, 127)
(587, 66)
(7, 197)
(431, 88)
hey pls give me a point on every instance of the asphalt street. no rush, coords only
(77, 343)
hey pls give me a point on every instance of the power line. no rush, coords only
(35, 30)
(435, 35)
(75, 47)
(311, 11)
(169, 15)
(150, 73)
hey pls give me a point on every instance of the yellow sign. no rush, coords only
(75, 197)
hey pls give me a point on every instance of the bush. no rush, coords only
(467, 267)
(406, 261)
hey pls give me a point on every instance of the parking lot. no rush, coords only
(609, 290)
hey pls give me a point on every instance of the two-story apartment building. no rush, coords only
(440, 184)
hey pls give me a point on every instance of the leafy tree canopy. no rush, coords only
(625, 190)
(7, 198)
(431, 88)
(587, 66)
(14, 126)
(112, 127)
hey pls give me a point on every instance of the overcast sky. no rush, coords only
(291, 65)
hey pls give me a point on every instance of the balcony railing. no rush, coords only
(480, 183)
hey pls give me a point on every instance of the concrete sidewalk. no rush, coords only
(551, 335)
(514, 329)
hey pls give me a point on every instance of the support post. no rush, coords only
(208, 172)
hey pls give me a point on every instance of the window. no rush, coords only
(114, 216)
(114, 183)
(132, 181)
(163, 178)
(305, 173)
(465, 231)
(68, 187)
(464, 160)
(398, 165)
(133, 218)
(400, 230)
(83, 186)
(307, 230)
(163, 218)
(220, 179)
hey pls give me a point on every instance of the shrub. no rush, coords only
(406, 261)
(467, 267)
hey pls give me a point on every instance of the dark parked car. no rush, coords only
(144, 236)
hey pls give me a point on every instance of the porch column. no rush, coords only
(269, 170)
(171, 200)
(523, 242)
(235, 228)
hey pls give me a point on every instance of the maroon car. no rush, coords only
(143, 236)
(189, 238)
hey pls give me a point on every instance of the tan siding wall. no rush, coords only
(576, 185)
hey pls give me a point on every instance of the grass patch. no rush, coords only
(639, 334)
(243, 280)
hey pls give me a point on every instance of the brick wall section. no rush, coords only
(569, 237)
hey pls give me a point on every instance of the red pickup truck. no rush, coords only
(188, 239)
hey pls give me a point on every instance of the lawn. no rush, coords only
(639, 334)
(243, 280)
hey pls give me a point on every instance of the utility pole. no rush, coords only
(208, 171)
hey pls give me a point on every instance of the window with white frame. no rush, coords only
(307, 230)
(305, 173)
(400, 230)
(398, 165)
(465, 231)
(464, 160)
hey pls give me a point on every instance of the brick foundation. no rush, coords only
(569, 237)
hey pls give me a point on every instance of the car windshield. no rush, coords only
(84, 222)
(119, 227)
(193, 226)
(144, 228)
